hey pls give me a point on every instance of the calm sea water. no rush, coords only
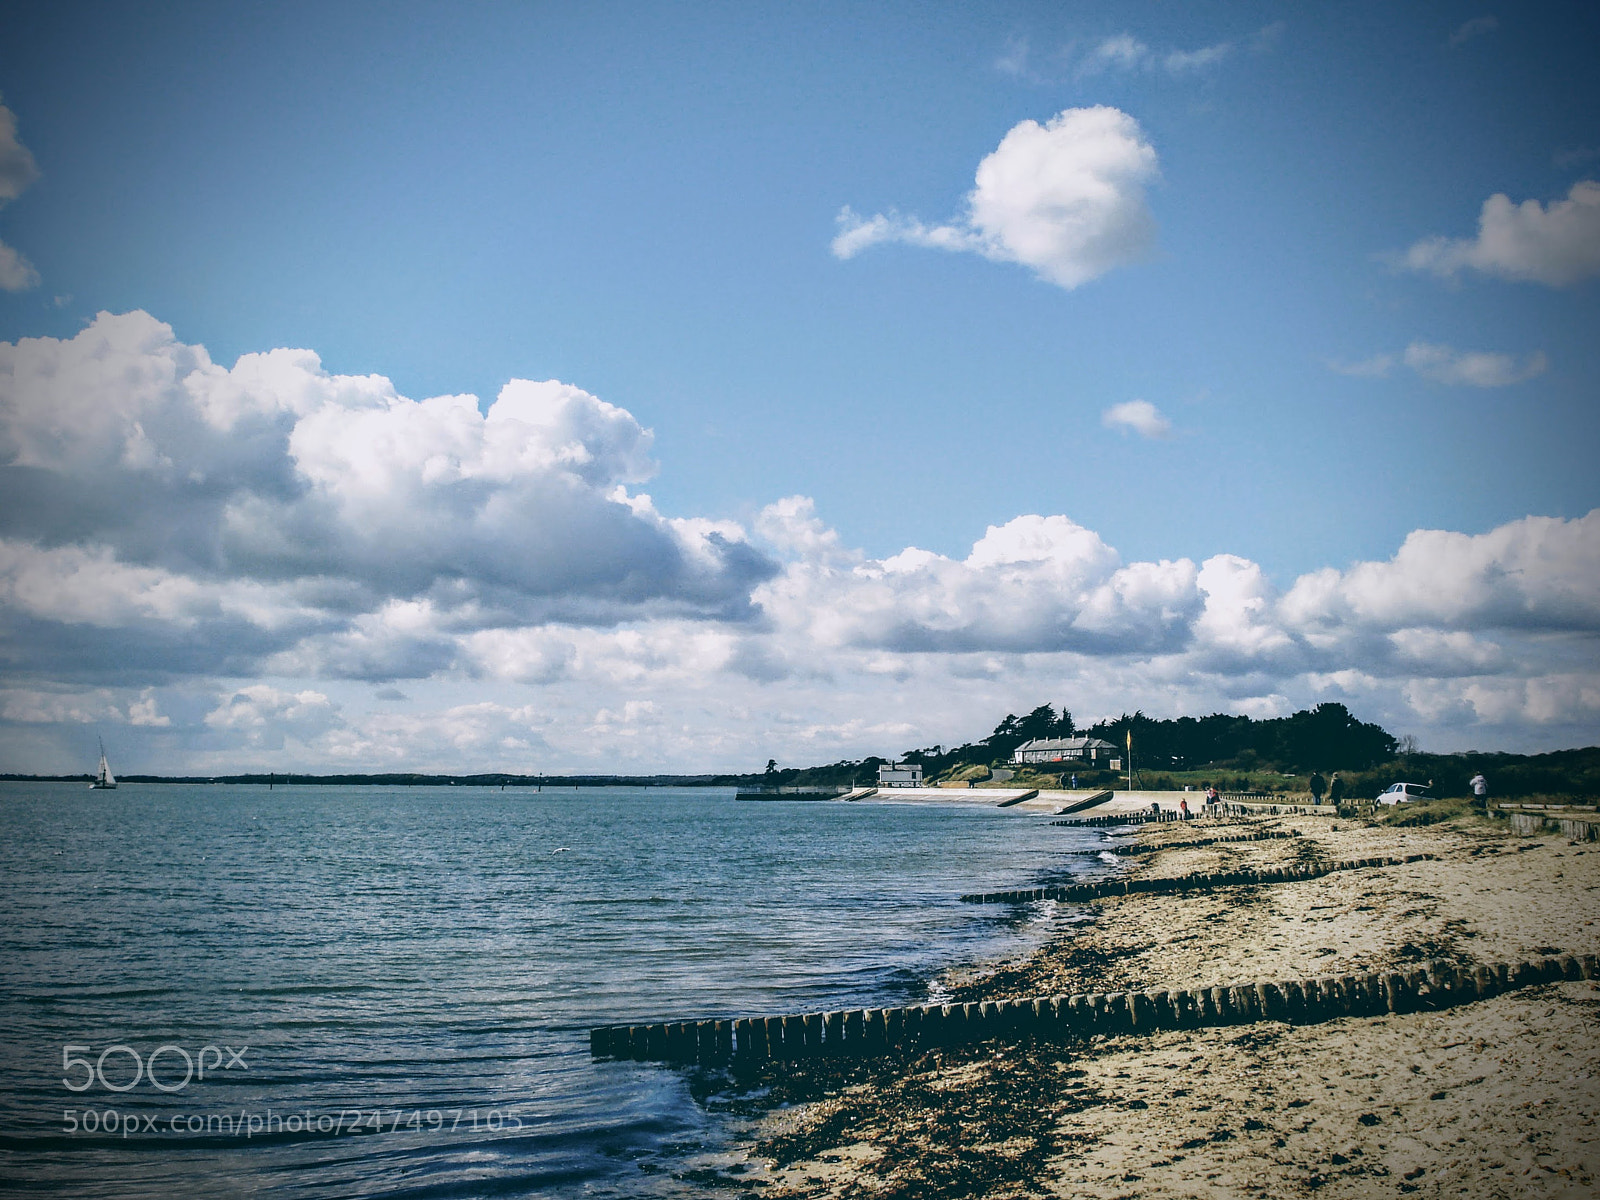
(327, 992)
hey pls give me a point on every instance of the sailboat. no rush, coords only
(103, 777)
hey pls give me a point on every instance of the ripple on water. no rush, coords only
(419, 967)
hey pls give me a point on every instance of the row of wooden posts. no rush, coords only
(1266, 835)
(1576, 826)
(1186, 883)
(1133, 818)
(874, 1032)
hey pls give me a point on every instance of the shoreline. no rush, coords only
(1498, 1097)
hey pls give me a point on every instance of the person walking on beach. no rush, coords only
(1480, 792)
(1335, 790)
(1318, 786)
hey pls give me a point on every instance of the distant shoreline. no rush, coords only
(411, 779)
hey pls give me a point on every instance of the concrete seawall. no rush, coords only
(876, 1032)
(1186, 883)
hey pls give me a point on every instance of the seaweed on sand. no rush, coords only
(974, 1122)
(1065, 966)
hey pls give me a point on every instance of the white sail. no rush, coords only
(104, 778)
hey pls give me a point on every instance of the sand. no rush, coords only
(1498, 1098)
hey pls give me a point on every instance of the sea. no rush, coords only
(310, 991)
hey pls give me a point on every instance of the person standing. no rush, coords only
(1335, 789)
(1480, 792)
(1318, 786)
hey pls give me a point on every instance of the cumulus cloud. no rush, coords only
(1470, 608)
(1033, 584)
(1137, 416)
(55, 705)
(1558, 246)
(201, 558)
(1539, 573)
(1488, 632)
(263, 716)
(1066, 198)
(140, 481)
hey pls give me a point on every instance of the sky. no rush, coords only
(649, 387)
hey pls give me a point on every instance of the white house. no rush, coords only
(1089, 751)
(900, 775)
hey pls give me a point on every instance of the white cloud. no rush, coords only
(262, 717)
(792, 525)
(1125, 52)
(17, 168)
(1535, 573)
(1140, 416)
(17, 274)
(144, 711)
(1442, 364)
(1033, 584)
(17, 172)
(1122, 51)
(1445, 364)
(39, 706)
(141, 481)
(1476, 27)
(483, 731)
(1180, 61)
(1558, 246)
(196, 556)
(1066, 198)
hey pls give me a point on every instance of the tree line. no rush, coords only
(1325, 738)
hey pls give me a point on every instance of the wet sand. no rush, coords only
(1498, 1098)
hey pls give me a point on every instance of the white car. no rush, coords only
(1399, 793)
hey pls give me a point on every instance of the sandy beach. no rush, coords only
(1491, 1099)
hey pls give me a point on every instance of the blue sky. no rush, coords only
(1288, 343)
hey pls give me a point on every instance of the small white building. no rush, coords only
(900, 775)
(1086, 751)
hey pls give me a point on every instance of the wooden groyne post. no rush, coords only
(1186, 883)
(861, 1033)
